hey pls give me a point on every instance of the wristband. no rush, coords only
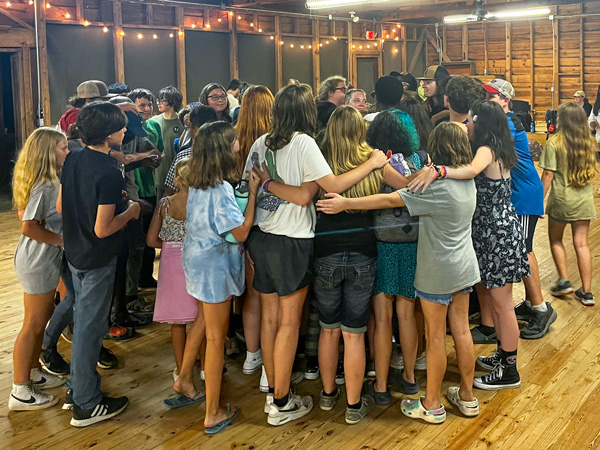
(436, 173)
(265, 185)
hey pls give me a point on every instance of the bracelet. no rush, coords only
(265, 185)
(436, 173)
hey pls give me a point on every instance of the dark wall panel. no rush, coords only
(391, 59)
(257, 60)
(334, 59)
(297, 62)
(366, 73)
(149, 63)
(71, 60)
(206, 60)
(421, 63)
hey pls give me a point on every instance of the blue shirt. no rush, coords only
(527, 190)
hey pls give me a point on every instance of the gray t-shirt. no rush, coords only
(446, 260)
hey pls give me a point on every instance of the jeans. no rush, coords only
(136, 241)
(343, 284)
(63, 313)
(93, 292)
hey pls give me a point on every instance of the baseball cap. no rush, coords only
(499, 86)
(435, 73)
(93, 89)
(579, 94)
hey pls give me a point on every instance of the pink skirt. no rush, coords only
(173, 303)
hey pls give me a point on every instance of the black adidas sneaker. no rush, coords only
(107, 408)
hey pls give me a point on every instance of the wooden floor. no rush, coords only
(556, 406)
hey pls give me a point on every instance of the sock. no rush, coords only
(271, 390)
(488, 331)
(509, 359)
(333, 394)
(499, 346)
(252, 355)
(355, 406)
(541, 307)
(281, 402)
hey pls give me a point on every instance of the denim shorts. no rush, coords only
(343, 284)
(443, 299)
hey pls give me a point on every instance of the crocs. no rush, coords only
(469, 409)
(414, 409)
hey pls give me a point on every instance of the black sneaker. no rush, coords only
(107, 359)
(68, 404)
(312, 368)
(501, 377)
(107, 408)
(479, 337)
(340, 377)
(539, 323)
(489, 362)
(54, 363)
(523, 311)
(67, 333)
(138, 304)
(586, 298)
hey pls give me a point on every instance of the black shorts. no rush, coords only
(281, 264)
(528, 224)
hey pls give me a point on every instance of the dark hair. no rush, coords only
(204, 99)
(294, 111)
(388, 92)
(462, 91)
(141, 93)
(234, 84)
(393, 73)
(409, 78)
(118, 88)
(413, 105)
(491, 129)
(184, 112)
(98, 120)
(393, 130)
(440, 90)
(172, 96)
(212, 160)
(76, 102)
(202, 114)
(324, 112)
(597, 102)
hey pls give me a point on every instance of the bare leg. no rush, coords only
(555, 234)
(533, 287)
(251, 312)
(196, 336)
(268, 331)
(383, 309)
(580, 230)
(408, 335)
(507, 328)
(371, 335)
(435, 332)
(328, 357)
(354, 365)
(486, 311)
(178, 336)
(458, 314)
(420, 321)
(28, 345)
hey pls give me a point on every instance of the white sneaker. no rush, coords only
(263, 385)
(175, 374)
(27, 397)
(252, 363)
(45, 380)
(268, 403)
(421, 363)
(295, 408)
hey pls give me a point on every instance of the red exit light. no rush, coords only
(370, 35)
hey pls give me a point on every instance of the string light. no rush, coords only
(180, 33)
(8, 4)
(48, 6)
(171, 35)
(208, 25)
(193, 25)
(368, 46)
(86, 23)
(105, 29)
(281, 43)
(155, 36)
(353, 46)
(219, 19)
(335, 38)
(393, 30)
(320, 45)
(360, 47)
(395, 50)
(272, 37)
(31, 2)
(387, 36)
(230, 13)
(121, 33)
(260, 30)
(302, 46)
(310, 46)
(239, 17)
(140, 36)
(327, 42)
(396, 38)
(251, 24)
(68, 16)
(291, 45)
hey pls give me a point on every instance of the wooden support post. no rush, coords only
(180, 53)
(508, 52)
(486, 60)
(118, 43)
(531, 68)
(404, 49)
(444, 43)
(79, 10)
(465, 42)
(581, 51)
(43, 50)
(149, 15)
(233, 49)
(28, 86)
(350, 55)
(316, 55)
(278, 55)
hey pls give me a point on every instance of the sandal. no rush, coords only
(469, 409)
(218, 427)
(381, 398)
(181, 400)
(413, 408)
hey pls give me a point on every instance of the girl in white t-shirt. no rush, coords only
(281, 245)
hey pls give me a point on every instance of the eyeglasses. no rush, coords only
(343, 89)
(162, 101)
(218, 97)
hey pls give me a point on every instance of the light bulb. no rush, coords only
(140, 36)
(251, 24)
(171, 35)
(121, 33)
(219, 19)
(85, 23)
(193, 25)
(48, 6)
(105, 29)
(291, 45)
(8, 4)
(68, 16)
(155, 36)
(208, 25)
(180, 33)
(272, 37)
(260, 30)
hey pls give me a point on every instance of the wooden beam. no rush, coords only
(149, 15)
(581, 51)
(180, 53)
(28, 86)
(118, 43)
(15, 19)
(465, 42)
(17, 37)
(278, 55)
(43, 52)
(486, 60)
(404, 49)
(555, 67)
(233, 49)
(417, 53)
(79, 10)
(508, 52)
(350, 54)
(433, 42)
(531, 69)
(20, 111)
(316, 55)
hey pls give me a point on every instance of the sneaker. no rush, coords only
(489, 362)
(370, 369)
(413, 408)
(263, 385)
(381, 398)
(539, 323)
(27, 397)
(252, 363)
(135, 320)
(340, 377)
(312, 368)
(107, 359)
(54, 363)
(107, 408)
(139, 304)
(421, 363)
(68, 404)
(586, 299)
(562, 288)
(268, 403)
(397, 361)
(499, 378)
(523, 311)
(231, 346)
(295, 408)
(481, 338)
(469, 409)
(405, 386)
(117, 333)
(296, 378)
(327, 402)
(45, 380)
(67, 333)
(353, 416)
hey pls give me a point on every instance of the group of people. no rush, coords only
(286, 203)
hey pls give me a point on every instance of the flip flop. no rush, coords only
(181, 400)
(218, 427)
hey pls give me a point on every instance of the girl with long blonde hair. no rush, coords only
(38, 261)
(568, 161)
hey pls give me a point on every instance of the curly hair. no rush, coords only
(393, 130)
(462, 92)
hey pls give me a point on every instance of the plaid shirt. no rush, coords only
(185, 153)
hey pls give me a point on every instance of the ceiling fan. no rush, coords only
(480, 14)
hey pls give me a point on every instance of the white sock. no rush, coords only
(541, 307)
(252, 355)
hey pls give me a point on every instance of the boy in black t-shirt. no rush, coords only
(91, 202)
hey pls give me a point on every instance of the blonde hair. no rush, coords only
(576, 145)
(254, 120)
(36, 164)
(179, 177)
(345, 148)
(449, 145)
